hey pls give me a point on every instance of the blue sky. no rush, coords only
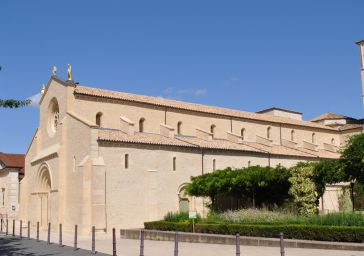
(246, 55)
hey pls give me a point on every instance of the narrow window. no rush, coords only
(179, 128)
(333, 141)
(3, 191)
(141, 124)
(126, 161)
(249, 163)
(313, 138)
(268, 132)
(242, 133)
(214, 165)
(99, 119)
(292, 135)
(74, 163)
(174, 164)
(212, 130)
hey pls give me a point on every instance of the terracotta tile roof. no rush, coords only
(88, 91)
(279, 150)
(329, 115)
(221, 144)
(140, 138)
(13, 160)
(350, 127)
(217, 144)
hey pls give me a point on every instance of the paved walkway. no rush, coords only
(128, 247)
(13, 246)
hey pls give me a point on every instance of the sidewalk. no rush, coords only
(129, 247)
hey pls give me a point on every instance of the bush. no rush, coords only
(265, 217)
(303, 189)
(180, 217)
(261, 185)
(292, 231)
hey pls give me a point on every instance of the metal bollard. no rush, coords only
(141, 242)
(282, 244)
(7, 227)
(13, 227)
(21, 231)
(176, 244)
(93, 241)
(60, 234)
(237, 245)
(113, 242)
(75, 241)
(49, 233)
(38, 231)
(28, 229)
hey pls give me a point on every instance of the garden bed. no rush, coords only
(291, 231)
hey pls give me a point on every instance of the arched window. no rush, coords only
(126, 161)
(212, 130)
(174, 163)
(214, 165)
(99, 119)
(268, 132)
(179, 128)
(249, 163)
(333, 141)
(141, 124)
(242, 133)
(313, 138)
(292, 135)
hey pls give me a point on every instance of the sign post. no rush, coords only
(193, 216)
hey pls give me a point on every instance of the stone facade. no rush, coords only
(11, 172)
(113, 159)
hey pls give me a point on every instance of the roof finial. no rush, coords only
(54, 70)
(43, 89)
(69, 72)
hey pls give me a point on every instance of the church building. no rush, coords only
(113, 159)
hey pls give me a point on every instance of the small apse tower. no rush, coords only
(361, 46)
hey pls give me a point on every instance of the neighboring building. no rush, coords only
(11, 172)
(114, 159)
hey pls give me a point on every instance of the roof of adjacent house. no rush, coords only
(12, 160)
(330, 116)
(111, 135)
(107, 94)
(281, 109)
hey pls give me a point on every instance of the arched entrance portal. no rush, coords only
(43, 190)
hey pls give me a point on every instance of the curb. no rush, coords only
(244, 240)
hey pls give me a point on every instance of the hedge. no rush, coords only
(292, 231)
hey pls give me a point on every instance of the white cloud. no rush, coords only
(35, 99)
(200, 92)
(171, 92)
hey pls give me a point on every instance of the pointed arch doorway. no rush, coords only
(43, 190)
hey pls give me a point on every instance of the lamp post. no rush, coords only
(361, 48)
(352, 194)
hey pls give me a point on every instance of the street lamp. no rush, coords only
(361, 47)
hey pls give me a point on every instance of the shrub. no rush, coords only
(262, 185)
(292, 231)
(182, 217)
(303, 188)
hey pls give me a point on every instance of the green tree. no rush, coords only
(259, 185)
(303, 189)
(352, 159)
(11, 103)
